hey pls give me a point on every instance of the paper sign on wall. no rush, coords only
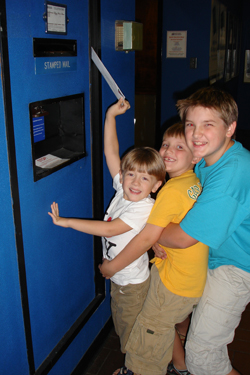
(176, 44)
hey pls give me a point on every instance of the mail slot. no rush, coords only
(45, 47)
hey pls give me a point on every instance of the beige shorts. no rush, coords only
(150, 344)
(126, 303)
(226, 294)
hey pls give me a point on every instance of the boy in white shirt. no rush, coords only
(140, 172)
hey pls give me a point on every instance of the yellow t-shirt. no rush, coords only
(184, 271)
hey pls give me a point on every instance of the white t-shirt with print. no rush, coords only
(134, 214)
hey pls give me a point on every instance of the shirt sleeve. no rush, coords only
(167, 208)
(137, 213)
(212, 221)
(116, 182)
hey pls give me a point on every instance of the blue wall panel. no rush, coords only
(12, 338)
(193, 16)
(122, 67)
(59, 262)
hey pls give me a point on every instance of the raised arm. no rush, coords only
(111, 144)
(94, 227)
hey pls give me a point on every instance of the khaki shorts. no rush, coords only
(226, 294)
(150, 344)
(126, 303)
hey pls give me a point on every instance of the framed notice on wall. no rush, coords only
(176, 44)
(55, 17)
(247, 66)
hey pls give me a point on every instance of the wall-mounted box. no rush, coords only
(128, 35)
(57, 133)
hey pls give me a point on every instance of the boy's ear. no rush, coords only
(196, 160)
(231, 129)
(156, 186)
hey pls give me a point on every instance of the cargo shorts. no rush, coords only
(150, 344)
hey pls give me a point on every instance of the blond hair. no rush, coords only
(213, 98)
(144, 159)
(177, 130)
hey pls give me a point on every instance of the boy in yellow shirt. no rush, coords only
(177, 282)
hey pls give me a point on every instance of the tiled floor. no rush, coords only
(109, 357)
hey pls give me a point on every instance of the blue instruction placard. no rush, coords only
(38, 129)
(51, 65)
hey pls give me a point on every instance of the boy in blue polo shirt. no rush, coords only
(221, 219)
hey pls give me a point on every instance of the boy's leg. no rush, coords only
(226, 294)
(182, 329)
(178, 357)
(150, 344)
(126, 303)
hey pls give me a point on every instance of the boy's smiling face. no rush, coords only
(207, 135)
(176, 155)
(138, 185)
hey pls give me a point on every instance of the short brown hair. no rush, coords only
(213, 98)
(144, 159)
(176, 130)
